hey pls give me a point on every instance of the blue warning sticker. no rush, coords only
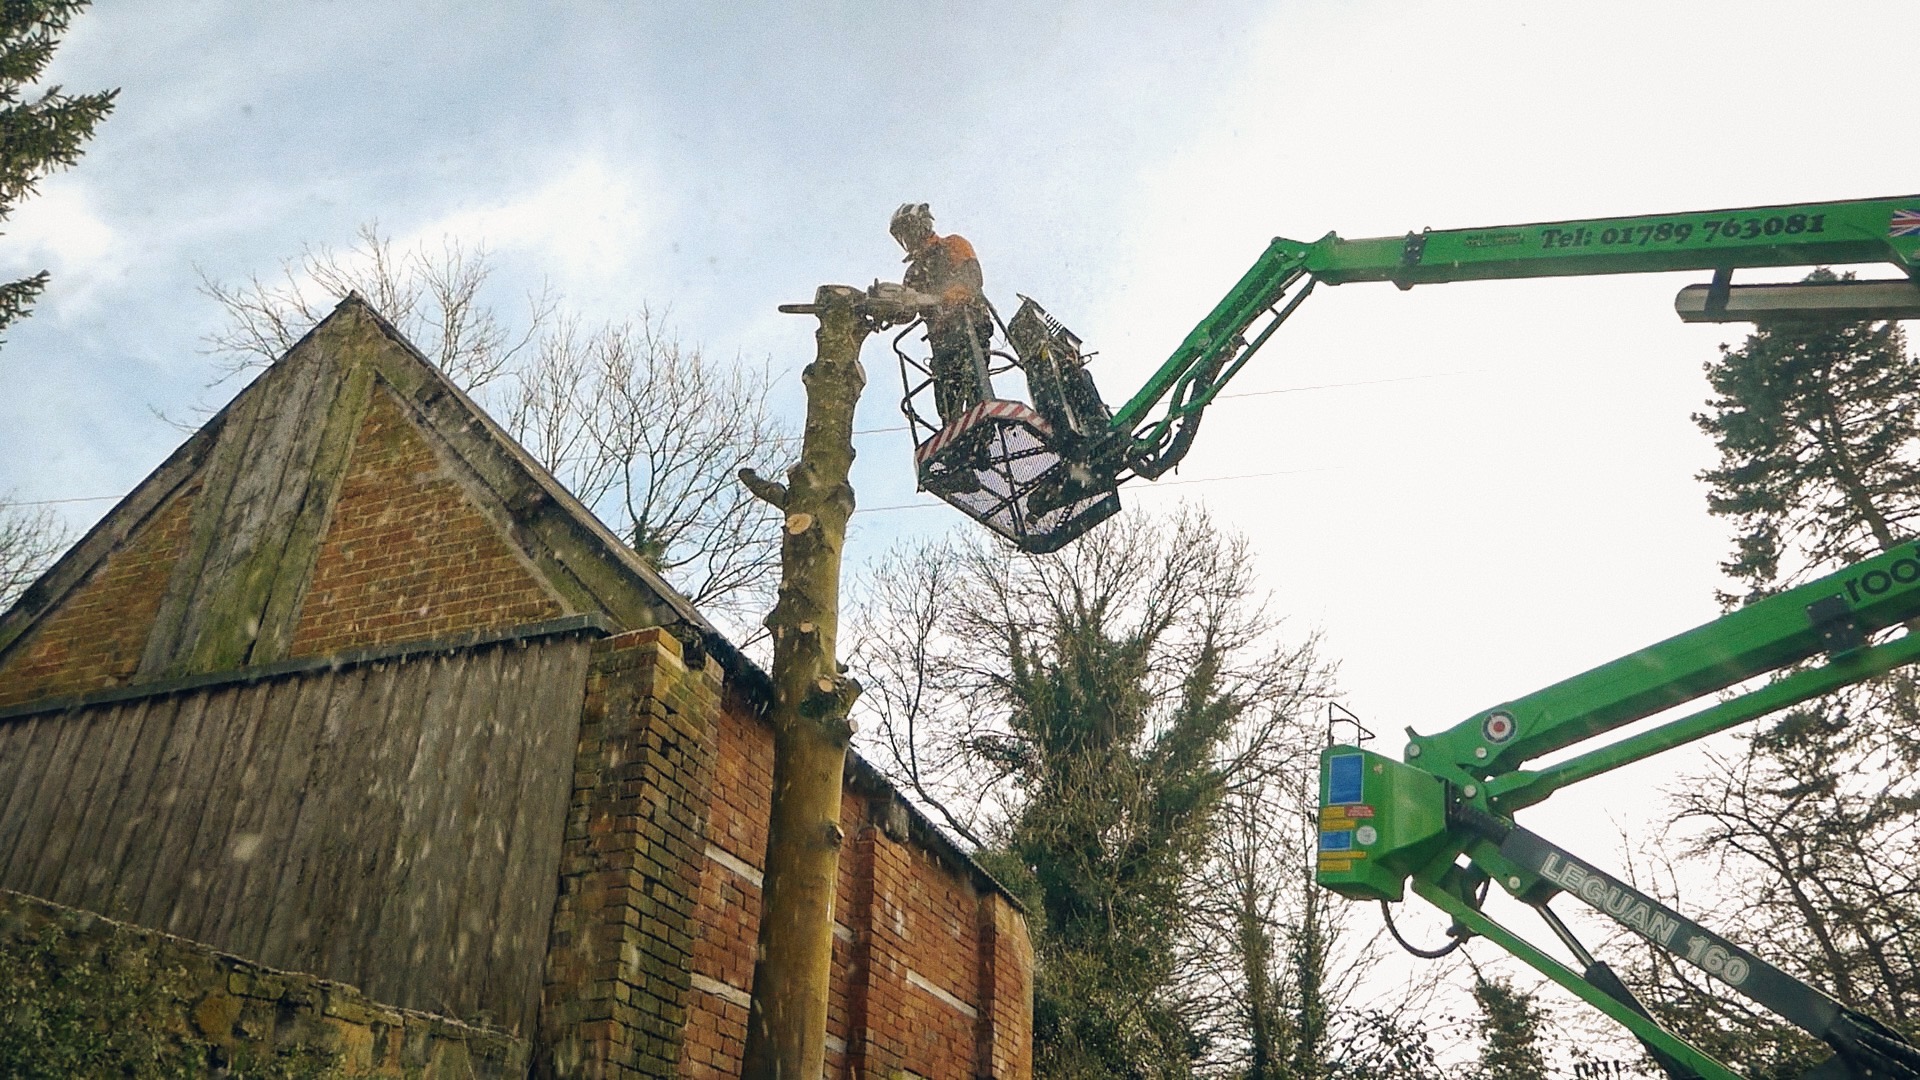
(1337, 840)
(1343, 779)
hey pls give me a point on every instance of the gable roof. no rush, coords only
(237, 588)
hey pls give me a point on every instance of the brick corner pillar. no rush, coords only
(1005, 1032)
(619, 958)
(876, 1040)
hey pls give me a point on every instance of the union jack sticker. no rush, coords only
(1904, 223)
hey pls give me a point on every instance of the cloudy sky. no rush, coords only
(1473, 489)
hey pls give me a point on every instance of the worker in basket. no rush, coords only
(960, 325)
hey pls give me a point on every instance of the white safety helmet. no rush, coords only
(912, 219)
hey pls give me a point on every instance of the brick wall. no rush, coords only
(93, 640)
(651, 960)
(929, 925)
(618, 965)
(931, 971)
(179, 1004)
(728, 916)
(408, 555)
(1006, 979)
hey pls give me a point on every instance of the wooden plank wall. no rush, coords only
(395, 825)
(275, 471)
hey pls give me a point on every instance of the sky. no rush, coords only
(1471, 490)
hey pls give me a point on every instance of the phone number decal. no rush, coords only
(1679, 232)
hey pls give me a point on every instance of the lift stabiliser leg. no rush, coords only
(1859, 1041)
(1442, 820)
(1691, 1062)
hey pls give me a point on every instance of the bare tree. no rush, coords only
(646, 431)
(1282, 985)
(1123, 732)
(1839, 907)
(942, 623)
(669, 431)
(31, 537)
(915, 672)
(1690, 1003)
(432, 296)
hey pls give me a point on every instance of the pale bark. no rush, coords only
(786, 1029)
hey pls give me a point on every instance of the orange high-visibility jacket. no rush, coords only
(946, 267)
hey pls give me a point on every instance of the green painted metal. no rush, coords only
(1385, 824)
(1803, 234)
(1875, 593)
(1256, 291)
(1649, 1031)
(1518, 790)
(1382, 829)
(1423, 812)
(1799, 234)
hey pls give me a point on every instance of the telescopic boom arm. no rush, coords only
(1804, 234)
(1043, 474)
(1442, 820)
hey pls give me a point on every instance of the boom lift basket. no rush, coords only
(999, 463)
(1019, 469)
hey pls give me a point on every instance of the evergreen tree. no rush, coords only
(1116, 760)
(1296, 996)
(1511, 1028)
(1305, 1038)
(1091, 695)
(1818, 428)
(38, 132)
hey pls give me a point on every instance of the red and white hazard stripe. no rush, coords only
(986, 410)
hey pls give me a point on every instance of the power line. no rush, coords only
(1240, 394)
(1237, 476)
(903, 427)
(873, 509)
(1343, 385)
(51, 502)
(928, 505)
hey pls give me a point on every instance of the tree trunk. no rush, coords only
(787, 1025)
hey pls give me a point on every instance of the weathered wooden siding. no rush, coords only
(273, 475)
(393, 824)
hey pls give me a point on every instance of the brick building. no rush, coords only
(351, 687)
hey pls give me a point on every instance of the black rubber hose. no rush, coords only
(1386, 912)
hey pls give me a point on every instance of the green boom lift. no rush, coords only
(1441, 821)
